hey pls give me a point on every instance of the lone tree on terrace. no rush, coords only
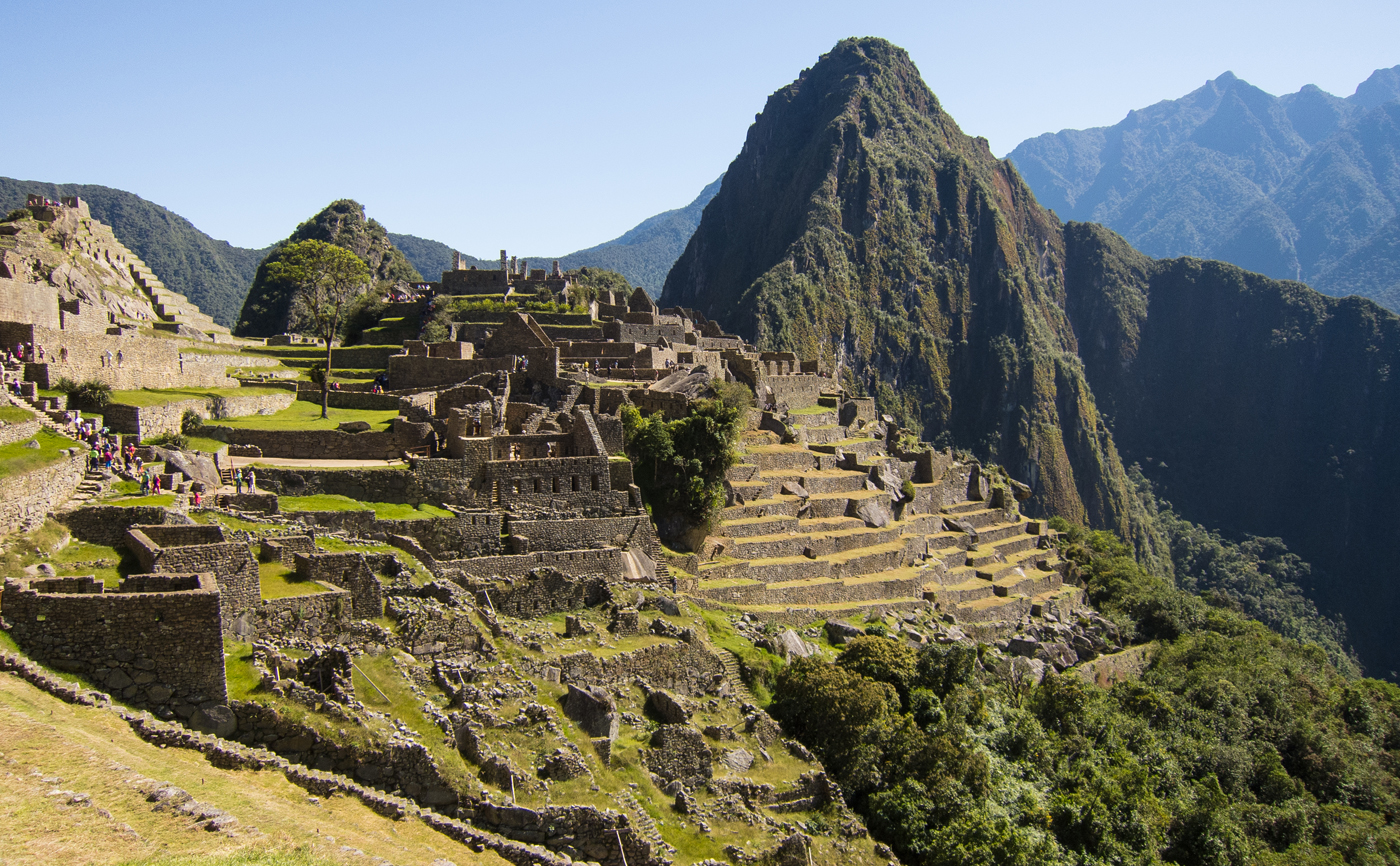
(327, 278)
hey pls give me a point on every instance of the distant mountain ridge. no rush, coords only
(214, 274)
(1304, 186)
(643, 254)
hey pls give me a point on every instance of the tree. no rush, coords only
(328, 278)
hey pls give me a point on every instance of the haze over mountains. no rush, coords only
(1304, 186)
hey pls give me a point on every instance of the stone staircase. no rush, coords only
(735, 676)
(90, 488)
(818, 524)
(641, 822)
(172, 308)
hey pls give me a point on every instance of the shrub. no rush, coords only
(66, 385)
(190, 422)
(735, 395)
(18, 213)
(907, 489)
(174, 441)
(93, 394)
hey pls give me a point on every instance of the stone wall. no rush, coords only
(686, 667)
(421, 371)
(154, 649)
(124, 362)
(25, 500)
(476, 534)
(108, 524)
(28, 303)
(284, 548)
(348, 571)
(540, 592)
(317, 615)
(583, 533)
(21, 432)
(329, 444)
(147, 421)
(606, 563)
(178, 549)
(364, 400)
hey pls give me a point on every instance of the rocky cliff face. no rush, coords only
(861, 225)
(343, 223)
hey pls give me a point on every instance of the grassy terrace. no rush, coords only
(382, 510)
(304, 415)
(52, 543)
(15, 414)
(279, 581)
(147, 397)
(15, 459)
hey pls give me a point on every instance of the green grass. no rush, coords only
(382, 510)
(15, 459)
(279, 581)
(159, 397)
(164, 500)
(52, 543)
(376, 678)
(11, 414)
(304, 415)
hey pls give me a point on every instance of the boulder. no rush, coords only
(562, 766)
(839, 631)
(32, 443)
(792, 488)
(668, 708)
(195, 467)
(217, 720)
(874, 513)
(738, 760)
(1058, 654)
(353, 427)
(1023, 645)
(593, 710)
(790, 645)
(1022, 492)
(978, 487)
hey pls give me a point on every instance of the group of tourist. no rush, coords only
(245, 477)
(23, 353)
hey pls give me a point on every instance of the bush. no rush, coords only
(907, 489)
(735, 395)
(92, 394)
(191, 423)
(66, 385)
(18, 213)
(173, 441)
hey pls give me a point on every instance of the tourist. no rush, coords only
(238, 481)
(197, 499)
(155, 485)
(145, 483)
(252, 481)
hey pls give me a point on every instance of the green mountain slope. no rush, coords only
(343, 223)
(859, 224)
(1288, 186)
(213, 274)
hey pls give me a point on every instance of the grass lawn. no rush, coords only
(14, 414)
(160, 396)
(15, 459)
(192, 443)
(52, 543)
(279, 581)
(382, 510)
(302, 415)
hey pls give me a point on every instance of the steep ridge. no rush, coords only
(213, 274)
(343, 223)
(1288, 186)
(1257, 405)
(860, 225)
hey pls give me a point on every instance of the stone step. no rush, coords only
(809, 420)
(763, 508)
(1029, 583)
(891, 584)
(823, 544)
(991, 609)
(964, 506)
(843, 504)
(980, 517)
(961, 592)
(824, 435)
(829, 524)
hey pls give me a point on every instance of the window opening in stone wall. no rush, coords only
(595, 482)
(574, 479)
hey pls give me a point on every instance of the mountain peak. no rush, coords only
(1381, 87)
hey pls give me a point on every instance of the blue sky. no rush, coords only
(547, 127)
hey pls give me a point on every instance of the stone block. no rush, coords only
(593, 710)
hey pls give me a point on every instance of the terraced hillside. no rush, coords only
(831, 524)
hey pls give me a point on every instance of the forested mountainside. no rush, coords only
(643, 254)
(212, 273)
(858, 221)
(343, 223)
(1303, 186)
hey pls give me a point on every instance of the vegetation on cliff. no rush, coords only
(860, 225)
(1234, 746)
(267, 309)
(680, 465)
